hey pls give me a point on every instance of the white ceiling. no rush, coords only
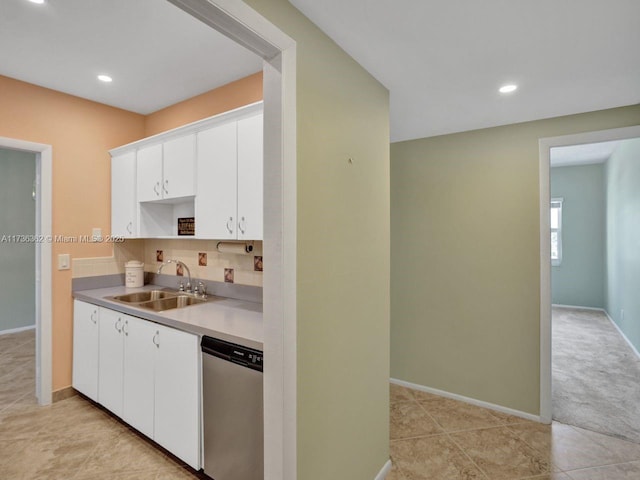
(582, 154)
(157, 54)
(443, 60)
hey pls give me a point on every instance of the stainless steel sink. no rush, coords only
(179, 301)
(144, 296)
(160, 300)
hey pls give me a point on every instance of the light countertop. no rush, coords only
(229, 319)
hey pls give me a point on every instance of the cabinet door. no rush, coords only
(217, 183)
(85, 348)
(111, 365)
(149, 173)
(179, 160)
(139, 371)
(123, 195)
(250, 161)
(177, 394)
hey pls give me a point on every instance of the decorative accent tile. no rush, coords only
(257, 263)
(179, 270)
(228, 275)
(246, 268)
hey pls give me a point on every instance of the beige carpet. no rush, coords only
(596, 375)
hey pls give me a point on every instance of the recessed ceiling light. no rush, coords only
(508, 88)
(39, 2)
(105, 78)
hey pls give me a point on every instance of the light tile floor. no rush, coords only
(431, 438)
(72, 439)
(438, 438)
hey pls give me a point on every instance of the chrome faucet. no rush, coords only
(184, 266)
(200, 289)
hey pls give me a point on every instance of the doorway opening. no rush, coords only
(583, 238)
(42, 246)
(17, 271)
(17, 230)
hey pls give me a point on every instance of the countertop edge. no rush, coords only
(165, 319)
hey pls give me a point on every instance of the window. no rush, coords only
(556, 231)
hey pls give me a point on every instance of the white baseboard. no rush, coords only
(622, 334)
(579, 307)
(17, 330)
(472, 401)
(384, 471)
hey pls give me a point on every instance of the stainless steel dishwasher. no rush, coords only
(232, 411)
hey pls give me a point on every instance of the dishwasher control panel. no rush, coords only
(247, 357)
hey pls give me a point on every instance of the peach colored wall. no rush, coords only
(81, 133)
(233, 95)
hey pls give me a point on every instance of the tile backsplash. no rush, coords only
(201, 256)
(96, 266)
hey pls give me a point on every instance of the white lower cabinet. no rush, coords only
(145, 373)
(139, 374)
(176, 426)
(85, 348)
(111, 360)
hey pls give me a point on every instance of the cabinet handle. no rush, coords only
(165, 187)
(157, 344)
(124, 329)
(118, 325)
(229, 225)
(129, 227)
(242, 225)
(155, 188)
(93, 316)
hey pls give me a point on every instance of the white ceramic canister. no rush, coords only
(134, 274)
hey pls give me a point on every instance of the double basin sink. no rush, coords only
(159, 300)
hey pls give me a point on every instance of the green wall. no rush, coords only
(343, 256)
(17, 260)
(465, 258)
(579, 279)
(623, 238)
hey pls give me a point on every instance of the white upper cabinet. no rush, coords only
(123, 195)
(149, 173)
(217, 183)
(250, 161)
(167, 170)
(229, 200)
(211, 169)
(179, 162)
